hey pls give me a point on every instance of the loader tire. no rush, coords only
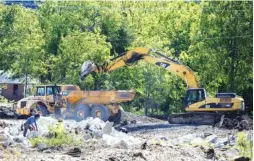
(42, 110)
(81, 112)
(100, 111)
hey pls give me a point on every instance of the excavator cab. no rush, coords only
(194, 95)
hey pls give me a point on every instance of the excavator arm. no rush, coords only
(133, 56)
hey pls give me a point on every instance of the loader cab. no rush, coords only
(47, 90)
(194, 95)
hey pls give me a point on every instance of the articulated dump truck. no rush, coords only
(69, 102)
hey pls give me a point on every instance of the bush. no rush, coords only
(244, 144)
(58, 136)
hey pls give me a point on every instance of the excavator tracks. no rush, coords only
(223, 120)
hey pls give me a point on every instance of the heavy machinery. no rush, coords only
(201, 108)
(69, 102)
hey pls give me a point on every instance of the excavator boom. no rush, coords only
(138, 54)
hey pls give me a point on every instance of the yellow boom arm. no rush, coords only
(137, 54)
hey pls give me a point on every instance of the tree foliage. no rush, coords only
(51, 43)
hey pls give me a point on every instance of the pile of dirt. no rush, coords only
(130, 117)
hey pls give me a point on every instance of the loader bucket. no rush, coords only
(87, 68)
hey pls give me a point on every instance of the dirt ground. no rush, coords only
(159, 142)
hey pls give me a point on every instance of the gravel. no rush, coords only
(148, 139)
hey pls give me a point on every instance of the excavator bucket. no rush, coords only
(87, 68)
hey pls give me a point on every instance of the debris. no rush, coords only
(107, 129)
(13, 131)
(9, 141)
(3, 124)
(207, 134)
(197, 141)
(209, 152)
(241, 159)
(76, 152)
(42, 146)
(143, 146)
(211, 138)
(139, 154)
(18, 139)
(113, 159)
(121, 145)
(87, 136)
(220, 143)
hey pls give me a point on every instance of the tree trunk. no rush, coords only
(25, 91)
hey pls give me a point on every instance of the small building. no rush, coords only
(12, 89)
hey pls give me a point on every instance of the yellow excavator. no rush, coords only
(201, 108)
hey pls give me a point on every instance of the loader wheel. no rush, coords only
(41, 109)
(118, 117)
(100, 111)
(81, 112)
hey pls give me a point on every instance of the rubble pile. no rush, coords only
(97, 129)
(11, 135)
(91, 129)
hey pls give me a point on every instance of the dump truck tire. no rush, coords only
(100, 111)
(81, 112)
(117, 118)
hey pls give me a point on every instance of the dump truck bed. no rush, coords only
(101, 97)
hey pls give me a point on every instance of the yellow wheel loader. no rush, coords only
(69, 102)
(202, 109)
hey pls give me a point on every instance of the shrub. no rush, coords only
(244, 144)
(58, 136)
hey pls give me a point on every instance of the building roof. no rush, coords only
(6, 77)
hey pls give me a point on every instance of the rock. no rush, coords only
(139, 154)
(33, 134)
(211, 138)
(185, 139)
(207, 134)
(3, 124)
(220, 143)
(97, 133)
(232, 140)
(250, 135)
(133, 122)
(14, 131)
(113, 159)
(18, 139)
(241, 159)
(209, 152)
(197, 141)
(121, 145)
(156, 141)
(42, 146)
(76, 152)
(87, 136)
(26, 143)
(47, 151)
(9, 141)
(107, 129)
(123, 129)
(2, 138)
(143, 146)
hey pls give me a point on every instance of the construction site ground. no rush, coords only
(146, 139)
